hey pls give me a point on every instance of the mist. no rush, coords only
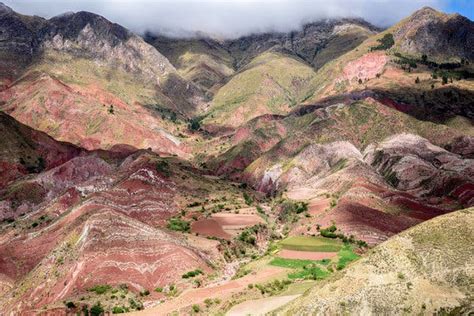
(225, 18)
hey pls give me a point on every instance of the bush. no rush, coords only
(417, 80)
(386, 42)
(445, 80)
(100, 289)
(111, 109)
(70, 305)
(178, 224)
(196, 308)
(144, 293)
(248, 199)
(96, 310)
(194, 124)
(119, 310)
(192, 274)
(159, 289)
(162, 166)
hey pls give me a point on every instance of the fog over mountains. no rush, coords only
(225, 18)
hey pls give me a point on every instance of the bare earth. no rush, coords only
(261, 306)
(197, 296)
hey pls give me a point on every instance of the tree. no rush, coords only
(445, 80)
(111, 109)
(424, 58)
(417, 80)
(360, 81)
(97, 310)
(194, 124)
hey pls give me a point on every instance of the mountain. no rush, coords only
(425, 269)
(251, 62)
(417, 35)
(55, 219)
(129, 86)
(334, 164)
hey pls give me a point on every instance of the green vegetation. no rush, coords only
(249, 235)
(248, 199)
(289, 209)
(274, 287)
(111, 109)
(311, 271)
(329, 232)
(100, 289)
(346, 255)
(178, 224)
(386, 42)
(296, 263)
(120, 310)
(192, 274)
(196, 308)
(304, 243)
(70, 304)
(96, 310)
(163, 167)
(194, 124)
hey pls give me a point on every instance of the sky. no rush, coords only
(233, 18)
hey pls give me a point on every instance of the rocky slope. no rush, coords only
(130, 87)
(210, 63)
(427, 269)
(418, 35)
(54, 224)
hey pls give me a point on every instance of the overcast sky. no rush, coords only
(232, 18)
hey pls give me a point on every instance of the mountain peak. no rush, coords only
(5, 9)
(72, 23)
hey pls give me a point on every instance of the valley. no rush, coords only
(328, 170)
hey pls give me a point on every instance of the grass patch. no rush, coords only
(346, 255)
(178, 224)
(303, 243)
(312, 272)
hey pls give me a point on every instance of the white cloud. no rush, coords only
(228, 18)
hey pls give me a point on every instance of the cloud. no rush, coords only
(226, 18)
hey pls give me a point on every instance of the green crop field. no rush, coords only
(303, 243)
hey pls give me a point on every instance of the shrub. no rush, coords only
(417, 80)
(445, 80)
(194, 124)
(159, 289)
(196, 308)
(162, 166)
(111, 109)
(144, 293)
(96, 310)
(386, 42)
(100, 289)
(119, 310)
(178, 224)
(248, 199)
(208, 302)
(192, 274)
(70, 305)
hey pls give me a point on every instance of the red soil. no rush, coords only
(209, 227)
(237, 221)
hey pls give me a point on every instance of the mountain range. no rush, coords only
(327, 170)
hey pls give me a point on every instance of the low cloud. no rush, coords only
(226, 18)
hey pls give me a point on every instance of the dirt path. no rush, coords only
(197, 296)
(261, 306)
